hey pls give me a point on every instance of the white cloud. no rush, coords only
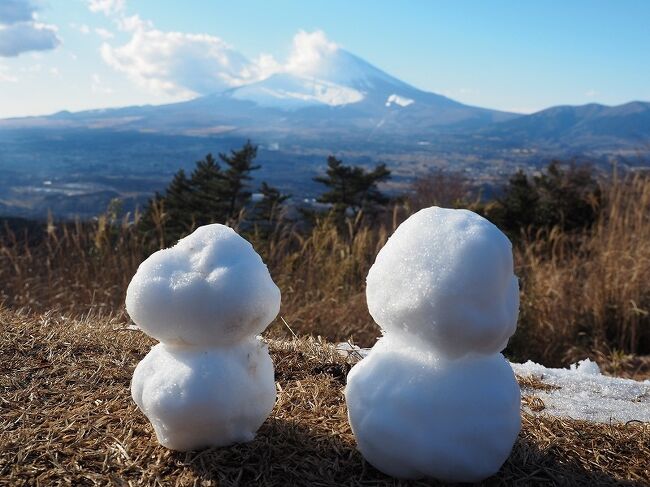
(591, 93)
(185, 65)
(104, 33)
(107, 7)
(309, 51)
(176, 63)
(21, 32)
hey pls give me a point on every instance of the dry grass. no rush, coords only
(67, 418)
(590, 294)
(582, 295)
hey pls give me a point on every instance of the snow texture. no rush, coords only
(197, 398)
(579, 392)
(446, 277)
(434, 397)
(415, 414)
(395, 99)
(210, 381)
(293, 92)
(211, 288)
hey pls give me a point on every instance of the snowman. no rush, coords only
(210, 380)
(434, 397)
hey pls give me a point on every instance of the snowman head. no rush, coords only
(210, 289)
(445, 281)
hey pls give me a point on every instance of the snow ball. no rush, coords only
(415, 414)
(586, 367)
(208, 397)
(211, 288)
(446, 277)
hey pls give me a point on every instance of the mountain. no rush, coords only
(342, 92)
(75, 163)
(589, 127)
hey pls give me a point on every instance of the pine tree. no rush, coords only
(268, 210)
(352, 188)
(210, 195)
(234, 189)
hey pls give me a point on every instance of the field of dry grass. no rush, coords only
(584, 294)
(68, 418)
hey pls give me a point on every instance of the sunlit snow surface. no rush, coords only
(582, 391)
(210, 381)
(586, 394)
(398, 100)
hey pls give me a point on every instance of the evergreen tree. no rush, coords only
(269, 208)
(518, 207)
(210, 195)
(234, 190)
(352, 188)
(564, 197)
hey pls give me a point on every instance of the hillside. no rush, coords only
(588, 127)
(68, 417)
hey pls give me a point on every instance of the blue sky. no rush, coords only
(512, 55)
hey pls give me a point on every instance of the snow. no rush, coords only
(210, 381)
(446, 277)
(319, 72)
(292, 92)
(434, 397)
(197, 398)
(586, 367)
(398, 100)
(211, 288)
(582, 393)
(579, 392)
(415, 414)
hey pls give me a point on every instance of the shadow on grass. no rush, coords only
(286, 453)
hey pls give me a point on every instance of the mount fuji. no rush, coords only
(339, 92)
(337, 103)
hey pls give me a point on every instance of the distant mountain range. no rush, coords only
(75, 162)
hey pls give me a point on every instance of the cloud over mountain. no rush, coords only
(186, 65)
(20, 32)
(174, 62)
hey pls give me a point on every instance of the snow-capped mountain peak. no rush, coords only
(319, 72)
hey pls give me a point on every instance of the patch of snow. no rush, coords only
(210, 381)
(578, 395)
(586, 367)
(399, 100)
(582, 393)
(288, 91)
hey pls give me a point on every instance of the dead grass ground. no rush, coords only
(67, 418)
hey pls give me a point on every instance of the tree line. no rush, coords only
(219, 190)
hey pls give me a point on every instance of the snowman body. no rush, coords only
(210, 382)
(434, 397)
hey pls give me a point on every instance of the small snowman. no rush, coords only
(210, 380)
(434, 397)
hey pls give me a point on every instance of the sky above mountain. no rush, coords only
(509, 55)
